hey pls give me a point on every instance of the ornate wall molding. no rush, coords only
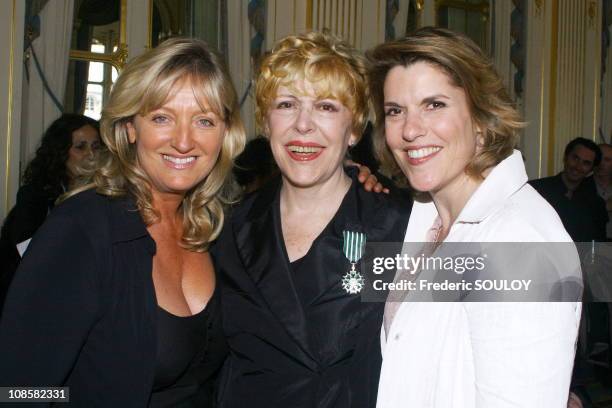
(578, 79)
(12, 16)
(592, 13)
(361, 22)
(562, 81)
(503, 42)
(537, 88)
(239, 58)
(606, 77)
(539, 8)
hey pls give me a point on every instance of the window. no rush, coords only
(100, 77)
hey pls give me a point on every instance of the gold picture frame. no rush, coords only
(119, 57)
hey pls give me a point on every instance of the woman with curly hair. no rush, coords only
(298, 332)
(116, 297)
(69, 141)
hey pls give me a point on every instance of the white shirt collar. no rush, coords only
(503, 181)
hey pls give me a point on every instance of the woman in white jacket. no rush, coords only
(445, 119)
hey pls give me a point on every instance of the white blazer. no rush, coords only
(484, 355)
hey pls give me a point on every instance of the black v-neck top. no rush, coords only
(178, 340)
(183, 352)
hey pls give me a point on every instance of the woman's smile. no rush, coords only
(179, 163)
(304, 151)
(420, 155)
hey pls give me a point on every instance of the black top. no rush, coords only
(181, 343)
(584, 216)
(82, 310)
(303, 283)
(296, 338)
(178, 340)
(30, 210)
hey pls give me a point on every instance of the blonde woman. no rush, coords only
(297, 337)
(116, 297)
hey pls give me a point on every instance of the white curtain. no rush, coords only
(52, 48)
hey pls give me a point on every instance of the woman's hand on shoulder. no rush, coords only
(573, 401)
(369, 180)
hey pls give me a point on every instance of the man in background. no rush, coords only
(581, 209)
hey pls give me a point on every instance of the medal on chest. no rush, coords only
(353, 247)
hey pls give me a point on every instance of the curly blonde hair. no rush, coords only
(145, 84)
(467, 68)
(333, 67)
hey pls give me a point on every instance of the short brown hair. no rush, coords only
(467, 68)
(334, 68)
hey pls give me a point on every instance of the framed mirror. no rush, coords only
(203, 19)
(99, 31)
(470, 17)
(97, 54)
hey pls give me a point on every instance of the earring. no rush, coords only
(480, 138)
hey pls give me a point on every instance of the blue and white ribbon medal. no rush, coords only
(354, 245)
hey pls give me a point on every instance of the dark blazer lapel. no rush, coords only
(329, 264)
(350, 217)
(261, 248)
(358, 212)
(127, 224)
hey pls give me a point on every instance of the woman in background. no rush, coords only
(67, 143)
(116, 297)
(445, 120)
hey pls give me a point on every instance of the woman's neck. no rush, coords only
(167, 205)
(304, 200)
(451, 200)
(306, 211)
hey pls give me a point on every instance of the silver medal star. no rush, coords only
(352, 282)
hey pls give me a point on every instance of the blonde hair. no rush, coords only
(467, 68)
(334, 68)
(145, 84)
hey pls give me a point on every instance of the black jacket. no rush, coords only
(300, 342)
(82, 309)
(30, 210)
(584, 216)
